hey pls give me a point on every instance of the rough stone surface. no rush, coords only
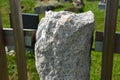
(62, 48)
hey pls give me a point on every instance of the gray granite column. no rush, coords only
(62, 48)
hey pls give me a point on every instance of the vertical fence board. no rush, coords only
(3, 60)
(18, 38)
(109, 39)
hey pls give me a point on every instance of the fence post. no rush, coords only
(109, 39)
(18, 38)
(3, 60)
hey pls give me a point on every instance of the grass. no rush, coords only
(96, 57)
(12, 68)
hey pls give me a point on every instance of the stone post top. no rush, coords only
(52, 13)
(81, 17)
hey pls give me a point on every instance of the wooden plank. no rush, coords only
(109, 39)
(15, 8)
(99, 42)
(3, 60)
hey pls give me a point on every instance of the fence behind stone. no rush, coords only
(106, 42)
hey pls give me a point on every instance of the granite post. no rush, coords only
(63, 42)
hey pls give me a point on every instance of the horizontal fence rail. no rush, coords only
(99, 42)
(29, 38)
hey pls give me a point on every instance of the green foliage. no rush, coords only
(4, 10)
(95, 66)
(116, 67)
(65, 5)
(28, 6)
(32, 73)
(12, 67)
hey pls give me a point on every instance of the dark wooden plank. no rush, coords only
(3, 60)
(16, 16)
(99, 42)
(109, 39)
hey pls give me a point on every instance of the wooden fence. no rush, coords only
(106, 42)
